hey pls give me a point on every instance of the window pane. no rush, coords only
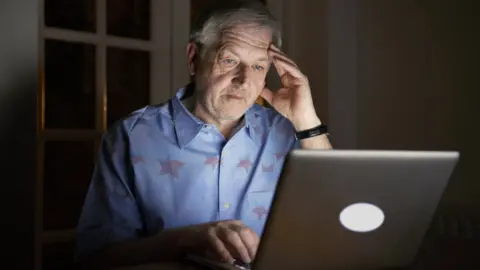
(129, 18)
(69, 85)
(68, 169)
(72, 14)
(128, 82)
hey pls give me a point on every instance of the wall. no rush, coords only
(309, 49)
(417, 84)
(18, 81)
(397, 74)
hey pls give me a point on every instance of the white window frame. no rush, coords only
(159, 47)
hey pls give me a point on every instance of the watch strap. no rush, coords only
(309, 133)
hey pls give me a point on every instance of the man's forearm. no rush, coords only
(168, 245)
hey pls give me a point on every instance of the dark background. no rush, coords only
(18, 81)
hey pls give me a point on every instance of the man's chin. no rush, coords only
(232, 115)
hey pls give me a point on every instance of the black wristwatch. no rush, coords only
(309, 133)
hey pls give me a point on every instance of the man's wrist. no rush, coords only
(306, 123)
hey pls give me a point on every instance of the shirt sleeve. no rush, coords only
(296, 144)
(110, 212)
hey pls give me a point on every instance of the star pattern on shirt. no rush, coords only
(244, 163)
(260, 211)
(267, 168)
(213, 161)
(171, 167)
(173, 161)
(137, 159)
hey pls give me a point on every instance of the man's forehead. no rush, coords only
(257, 37)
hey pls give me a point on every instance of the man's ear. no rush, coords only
(192, 55)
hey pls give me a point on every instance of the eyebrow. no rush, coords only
(231, 50)
(263, 59)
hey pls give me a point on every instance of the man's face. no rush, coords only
(230, 79)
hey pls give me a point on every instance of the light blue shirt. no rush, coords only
(162, 167)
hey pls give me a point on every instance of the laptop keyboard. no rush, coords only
(242, 265)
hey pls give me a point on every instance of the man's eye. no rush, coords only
(228, 61)
(258, 68)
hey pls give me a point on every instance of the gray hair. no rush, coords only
(226, 14)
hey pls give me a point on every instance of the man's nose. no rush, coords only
(241, 74)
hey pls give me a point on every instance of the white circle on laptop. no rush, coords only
(362, 217)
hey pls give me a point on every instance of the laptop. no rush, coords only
(346, 209)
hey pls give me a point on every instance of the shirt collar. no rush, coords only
(254, 124)
(187, 126)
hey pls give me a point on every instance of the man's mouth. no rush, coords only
(234, 97)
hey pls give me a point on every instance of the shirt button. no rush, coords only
(226, 205)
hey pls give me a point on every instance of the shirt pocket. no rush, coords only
(255, 209)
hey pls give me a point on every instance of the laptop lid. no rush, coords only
(341, 209)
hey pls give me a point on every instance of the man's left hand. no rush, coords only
(294, 99)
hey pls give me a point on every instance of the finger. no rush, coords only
(278, 57)
(250, 240)
(233, 222)
(267, 94)
(284, 60)
(227, 224)
(292, 70)
(219, 248)
(276, 50)
(235, 245)
(276, 53)
(281, 62)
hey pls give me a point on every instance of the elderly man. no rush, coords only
(197, 174)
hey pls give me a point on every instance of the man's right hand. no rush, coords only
(227, 241)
